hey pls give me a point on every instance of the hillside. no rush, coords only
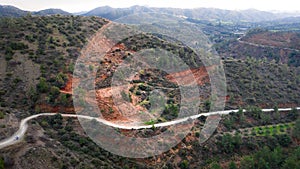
(281, 46)
(37, 57)
(249, 81)
(276, 39)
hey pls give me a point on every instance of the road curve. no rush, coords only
(17, 136)
(264, 46)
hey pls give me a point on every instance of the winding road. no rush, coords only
(17, 136)
(264, 46)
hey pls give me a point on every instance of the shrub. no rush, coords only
(1, 115)
(54, 91)
(18, 46)
(296, 130)
(42, 86)
(184, 164)
(1, 163)
(215, 165)
(125, 96)
(232, 165)
(284, 140)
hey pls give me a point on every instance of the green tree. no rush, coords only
(1, 115)
(207, 105)
(71, 68)
(1, 163)
(184, 164)
(56, 121)
(276, 112)
(293, 161)
(230, 143)
(296, 130)
(232, 165)
(228, 123)
(9, 53)
(241, 115)
(231, 98)
(215, 165)
(172, 109)
(262, 164)
(237, 140)
(42, 86)
(284, 140)
(247, 163)
(294, 114)
(262, 157)
(61, 80)
(265, 118)
(227, 143)
(54, 91)
(32, 94)
(255, 112)
(276, 158)
(63, 99)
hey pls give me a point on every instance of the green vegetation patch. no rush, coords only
(272, 129)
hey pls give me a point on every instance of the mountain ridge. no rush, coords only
(249, 15)
(216, 14)
(12, 11)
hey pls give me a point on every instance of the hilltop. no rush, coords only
(11, 11)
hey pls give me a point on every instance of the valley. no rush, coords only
(50, 112)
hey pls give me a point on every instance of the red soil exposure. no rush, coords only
(297, 141)
(281, 105)
(112, 110)
(130, 112)
(112, 54)
(54, 109)
(120, 46)
(276, 39)
(68, 87)
(105, 103)
(200, 75)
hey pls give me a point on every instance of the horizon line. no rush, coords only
(147, 6)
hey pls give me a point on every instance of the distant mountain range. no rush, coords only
(250, 15)
(52, 12)
(210, 14)
(11, 11)
(116, 13)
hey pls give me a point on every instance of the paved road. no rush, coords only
(15, 138)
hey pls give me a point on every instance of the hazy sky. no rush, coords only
(85, 5)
